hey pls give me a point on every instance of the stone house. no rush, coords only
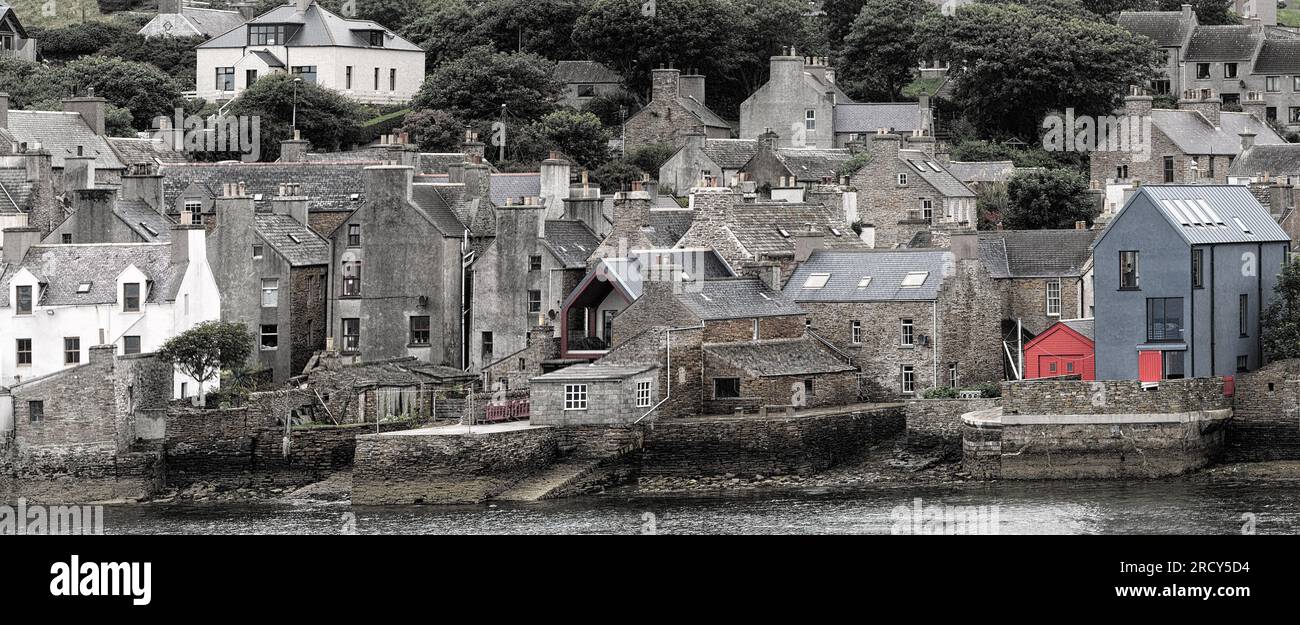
(779, 171)
(594, 394)
(379, 308)
(1195, 143)
(857, 121)
(702, 158)
(64, 298)
(1183, 275)
(178, 18)
(27, 191)
(906, 191)
(14, 39)
(360, 59)
(582, 81)
(910, 320)
(102, 215)
(1042, 276)
(798, 102)
(350, 390)
(272, 270)
(676, 107)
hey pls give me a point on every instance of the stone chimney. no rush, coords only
(388, 186)
(816, 66)
(290, 201)
(769, 271)
(1203, 101)
(402, 153)
(691, 86)
(301, 5)
(189, 244)
(554, 185)
(805, 243)
(93, 213)
(101, 354)
(885, 145)
(664, 84)
(4, 109)
(584, 204)
(247, 10)
(78, 173)
(1247, 140)
(143, 182)
(1255, 104)
(631, 213)
(472, 147)
(294, 150)
(965, 245)
(456, 172)
(90, 108)
(235, 209)
(786, 71)
(1137, 104)
(170, 7)
(767, 140)
(46, 210)
(16, 242)
(924, 143)
(1187, 12)
(478, 188)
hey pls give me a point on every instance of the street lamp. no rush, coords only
(295, 103)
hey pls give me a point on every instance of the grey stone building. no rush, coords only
(594, 394)
(27, 192)
(582, 81)
(1183, 274)
(14, 39)
(859, 120)
(797, 102)
(702, 158)
(1042, 275)
(773, 167)
(676, 107)
(905, 191)
(177, 18)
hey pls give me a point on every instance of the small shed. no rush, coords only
(1063, 349)
(594, 394)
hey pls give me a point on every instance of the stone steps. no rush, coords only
(551, 479)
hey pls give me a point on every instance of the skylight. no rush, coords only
(933, 166)
(864, 282)
(914, 279)
(835, 231)
(84, 287)
(146, 227)
(816, 280)
(785, 233)
(1241, 224)
(295, 239)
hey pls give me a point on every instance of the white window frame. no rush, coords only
(270, 292)
(907, 377)
(855, 332)
(927, 210)
(262, 334)
(1054, 299)
(952, 375)
(902, 180)
(907, 333)
(643, 394)
(575, 396)
(810, 119)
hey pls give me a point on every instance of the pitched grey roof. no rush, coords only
(668, 226)
(14, 189)
(437, 162)
(869, 117)
(570, 241)
(1036, 253)
(1208, 214)
(1193, 134)
(594, 371)
(704, 113)
(1222, 43)
(505, 187)
(329, 186)
(1167, 28)
(737, 298)
(438, 203)
(1082, 326)
(295, 242)
(62, 268)
(148, 223)
(985, 171)
(730, 153)
(131, 150)
(1278, 56)
(886, 270)
(271, 60)
(8, 11)
(192, 21)
(61, 134)
(758, 226)
(586, 72)
(779, 357)
(809, 164)
(319, 28)
(934, 172)
(1275, 160)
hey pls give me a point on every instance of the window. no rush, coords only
(1243, 363)
(1272, 84)
(270, 336)
(810, 120)
(270, 292)
(1293, 114)
(755, 332)
(131, 297)
(1054, 297)
(908, 336)
(392, 79)
(1128, 270)
(419, 330)
(1243, 318)
(1164, 319)
(67, 239)
(952, 375)
(352, 278)
(816, 280)
(377, 38)
(351, 335)
(1173, 365)
(643, 394)
(487, 345)
(902, 180)
(534, 263)
(1198, 268)
(1160, 87)
(909, 380)
(250, 77)
(1121, 172)
(1229, 70)
(1169, 169)
(130, 345)
(71, 350)
(306, 72)
(914, 279)
(726, 388)
(376, 79)
(6, 42)
(575, 396)
(534, 302)
(267, 35)
(35, 411)
(586, 91)
(225, 79)
(1270, 113)
(347, 77)
(24, 304)
(808, 388)
(855, 332)
(927, 210)
(258, 250)
(24, 351)
(354, 235)
(1202, 71)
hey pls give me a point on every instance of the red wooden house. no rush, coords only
(1064, 349)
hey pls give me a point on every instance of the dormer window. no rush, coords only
(131, 297)
(268, 34)
(24, 303)
(377, 38)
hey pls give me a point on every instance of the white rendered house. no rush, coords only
(57, 301)
(358, 58)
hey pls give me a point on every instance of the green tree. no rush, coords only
(476, 85)
(325, 117)
(611, 108)
(881, 51)
(580, 136)
(204, 351)
(838, 20)
(74, 41)
(141, 88)
(649, 158)
(1281, 322)
(542, 27)
(446, 31)
(616, 174)
(435, 131)
(27, 82)
(174, 55)
(1046, 199)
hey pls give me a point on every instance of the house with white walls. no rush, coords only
(56, 301)
(358, 58)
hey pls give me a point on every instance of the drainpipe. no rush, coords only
(934, 343)
(669, 372)
(1020, 347)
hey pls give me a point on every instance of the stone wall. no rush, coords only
(801, 444)
(681, 385)
(447, 469)
(609, 401)
(1026, 299)
(1266, 417)
(1109, 450)
(1076, 397)
(938, 421)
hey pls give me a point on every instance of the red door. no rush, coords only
(1150, 366)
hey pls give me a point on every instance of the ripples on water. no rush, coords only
(1182, 507)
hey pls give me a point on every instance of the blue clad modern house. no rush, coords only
(1181, 273)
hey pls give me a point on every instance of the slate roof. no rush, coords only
(1278, 56)
(148, 223)
(942, 180)
(5, 11)
(1208, 214)
(202, 22)
(570, 241)
(14, 189)
(268, 58)
(406, 371)
(132, 150)
(437, 162)
(1036, 253)
(1082, 326)
(1167, 28)
(809, 164)
(330, 186)
(758, 227)
(1275, 160)
(1221, 43)
(631, 273)
(585, 72)
(505, 187)
(985, 171)
(62, 268)
(319, 28)
(668, 226)
(730, 153)
(705, 115)
(438, 203)
(885, 268)
(1193, 134)
(737, 298)
(864, 118)
(60, 134)
(779, 357)
(593, 371)
(298, 244)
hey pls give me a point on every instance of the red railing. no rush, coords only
(515, 410)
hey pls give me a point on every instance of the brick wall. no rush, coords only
(1076, 397)
(1266, 416)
